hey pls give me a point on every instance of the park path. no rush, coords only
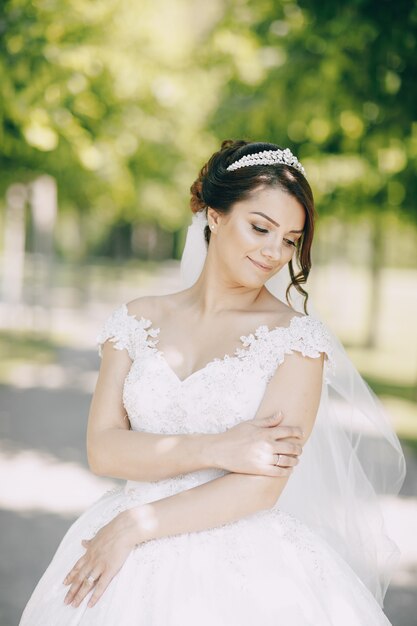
(43, 418)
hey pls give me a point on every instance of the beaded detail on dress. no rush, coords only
(217, 396)
(127, 332)
(304, 333)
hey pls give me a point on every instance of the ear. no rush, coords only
(214, 218)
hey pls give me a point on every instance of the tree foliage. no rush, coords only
(106, 97)
(123, 100)
(336, 82)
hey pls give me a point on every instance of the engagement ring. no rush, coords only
(90, 579)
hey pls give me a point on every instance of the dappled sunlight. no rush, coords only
(33, 482)
(148, 519)
(109, 113)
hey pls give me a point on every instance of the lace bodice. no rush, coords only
(212, 399)
(220, 394)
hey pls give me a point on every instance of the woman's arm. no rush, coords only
(298, 384)
(115, 450)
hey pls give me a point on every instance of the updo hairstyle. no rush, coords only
(217, 188)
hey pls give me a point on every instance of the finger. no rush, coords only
(74, 571)
(287, 461)
(270, 420)
(287, 447)
(75, 586)
(282, 432)
(82, 591)
(273, 470)
(72, 592)
(100, 588)
(77, 581)
(85, 587)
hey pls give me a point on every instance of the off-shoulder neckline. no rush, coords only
(247, 341)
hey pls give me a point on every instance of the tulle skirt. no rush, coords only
(267, 569)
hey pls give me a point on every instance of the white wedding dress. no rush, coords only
(267, 569)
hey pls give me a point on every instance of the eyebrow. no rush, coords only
(273, 221)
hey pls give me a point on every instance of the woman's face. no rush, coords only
(257, 238)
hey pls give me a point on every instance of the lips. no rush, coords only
(265, 268)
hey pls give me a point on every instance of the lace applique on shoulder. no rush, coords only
(127, 332)
(305, 334)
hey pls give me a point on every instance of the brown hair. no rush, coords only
(220, 189)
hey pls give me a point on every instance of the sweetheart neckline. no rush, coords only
(181, 381)
(238, 352)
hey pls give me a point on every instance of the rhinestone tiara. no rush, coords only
(268, 157)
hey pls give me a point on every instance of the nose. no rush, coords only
(273, 251)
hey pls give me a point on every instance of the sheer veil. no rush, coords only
(352, 458)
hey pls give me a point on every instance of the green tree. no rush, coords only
(336, 82)
(106, 98)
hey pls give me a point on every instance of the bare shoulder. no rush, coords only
(281, 314)
(291, 313)
(150, 306)
(141, 307)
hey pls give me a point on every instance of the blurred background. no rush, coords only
(107, 112)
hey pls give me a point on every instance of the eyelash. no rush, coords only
(263, 231)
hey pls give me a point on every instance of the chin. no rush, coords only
(256, 283)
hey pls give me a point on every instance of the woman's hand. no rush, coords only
(105, 554)
(251, 447)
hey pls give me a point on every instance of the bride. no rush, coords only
(254, 454)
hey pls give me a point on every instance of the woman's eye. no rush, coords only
(259, 230)
(288, 242)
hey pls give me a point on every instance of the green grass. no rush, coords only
(19, 346)
(22, 347)
(393, 389)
